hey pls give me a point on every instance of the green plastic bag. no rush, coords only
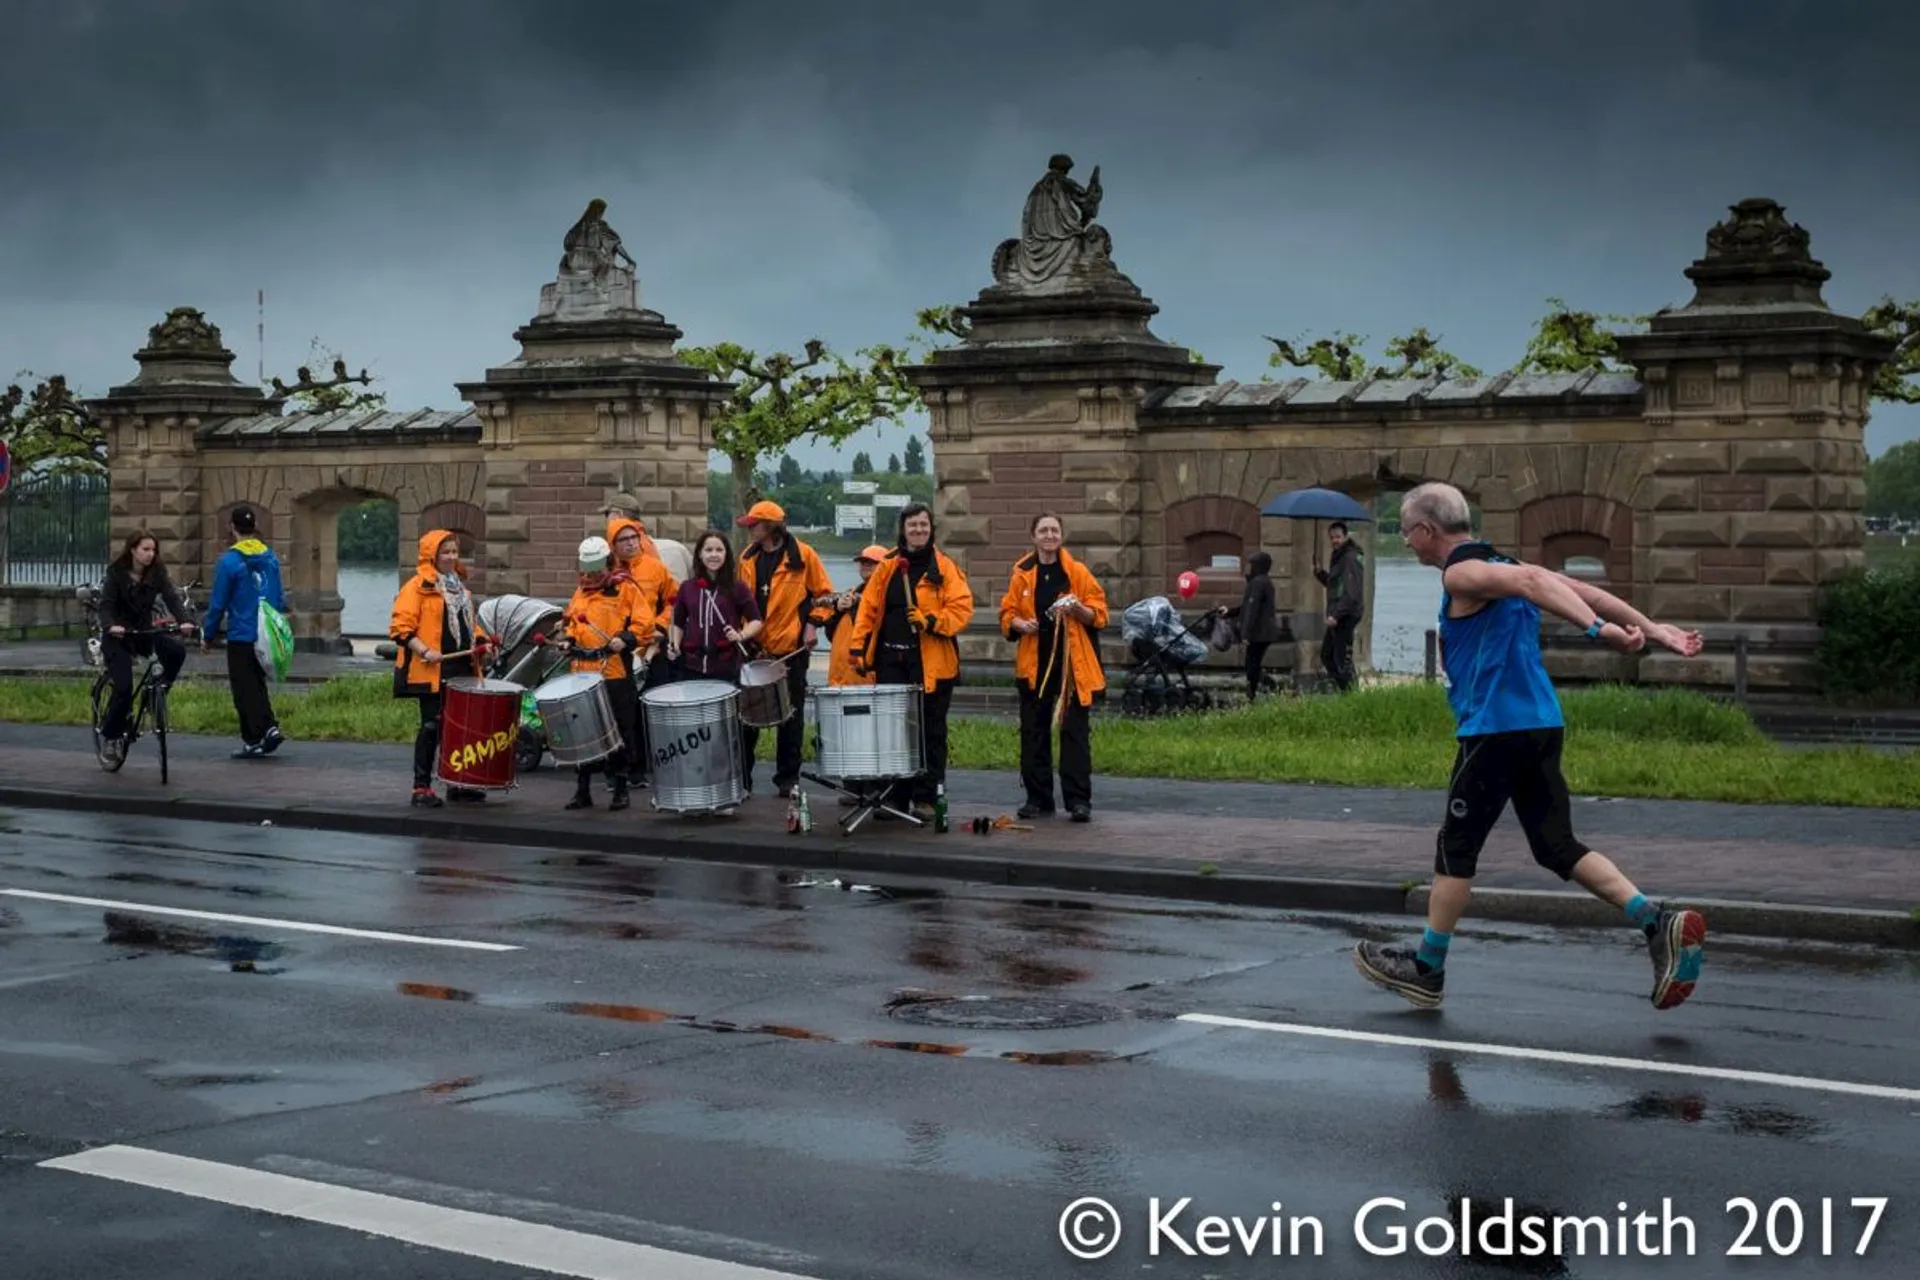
(272, 637)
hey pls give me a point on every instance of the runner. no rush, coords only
(1511, 732)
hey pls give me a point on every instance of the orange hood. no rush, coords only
(430, 550)
(615, 525)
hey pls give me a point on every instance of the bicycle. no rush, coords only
(149, 703)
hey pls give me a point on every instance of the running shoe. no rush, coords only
(1678, 950)
(1395, 969)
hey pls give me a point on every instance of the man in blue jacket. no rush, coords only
(246, 573)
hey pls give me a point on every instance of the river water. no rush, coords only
(1406, 598)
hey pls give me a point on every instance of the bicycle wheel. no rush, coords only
(158, 693)
(102, 692)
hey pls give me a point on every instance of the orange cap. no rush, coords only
(875, 553)
(764, 512)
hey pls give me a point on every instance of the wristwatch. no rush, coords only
(1599, 625)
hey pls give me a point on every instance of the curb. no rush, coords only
(1228, 888)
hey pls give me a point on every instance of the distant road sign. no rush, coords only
(891, 499)
(859, 488)
(846, 518)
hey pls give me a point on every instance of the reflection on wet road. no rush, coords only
(828, 1078)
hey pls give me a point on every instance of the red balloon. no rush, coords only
(1189, 583)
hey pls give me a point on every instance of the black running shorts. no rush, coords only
(1495, 768)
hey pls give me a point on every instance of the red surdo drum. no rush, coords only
(479, 724)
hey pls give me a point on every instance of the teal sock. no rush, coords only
(1644, 914)
(1433, 951)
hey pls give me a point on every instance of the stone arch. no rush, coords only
(1198, 529)
(1557, 529)
(470, 522)
(312, 563)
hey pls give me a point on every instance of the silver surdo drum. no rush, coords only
(694, 729)
(869, 732)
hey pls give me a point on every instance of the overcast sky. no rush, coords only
(397, 175)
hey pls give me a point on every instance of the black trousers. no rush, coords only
(933, 727)
(1036, 749)
(119, 653)
(656, 673)
(790, 734)
(624, 697)
(1336, 652)
(1256, 659)
(248, 681)
(426, 742)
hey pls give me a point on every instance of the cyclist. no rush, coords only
(137, 586)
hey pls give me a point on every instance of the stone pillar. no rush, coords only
(597, 403)
(1756, 405)
(1035, 410)
(153, 462)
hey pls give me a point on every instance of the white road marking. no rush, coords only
(476, 1235)
(659, 1234)
(300, 926)
(1561, 1056)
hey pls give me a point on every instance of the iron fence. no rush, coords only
(53, 530)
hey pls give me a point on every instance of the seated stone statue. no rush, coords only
(1058, 235)
(596, 278)
(592, 247)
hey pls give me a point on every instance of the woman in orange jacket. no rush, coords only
(434, 614)
(912, 611)
(1053, 610)
(612, 631)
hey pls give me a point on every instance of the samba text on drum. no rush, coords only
(461, 759)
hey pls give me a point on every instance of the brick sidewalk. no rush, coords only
(1841, 858)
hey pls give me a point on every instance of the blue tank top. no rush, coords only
(1497, 681)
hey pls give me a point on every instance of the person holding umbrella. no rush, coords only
(1511, 732)
(1346, 582)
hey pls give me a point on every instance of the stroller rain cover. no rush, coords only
(1156, 623)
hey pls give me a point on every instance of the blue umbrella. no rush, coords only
(1316, 504)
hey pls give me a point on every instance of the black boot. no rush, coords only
(619, 800)
(582, 793)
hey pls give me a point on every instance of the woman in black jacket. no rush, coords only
(1259, 624)
(136, 583)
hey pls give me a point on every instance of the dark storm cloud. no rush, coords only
(397, 175)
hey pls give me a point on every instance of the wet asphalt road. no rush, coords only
(717, 1063)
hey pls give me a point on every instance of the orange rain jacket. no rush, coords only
(616, 609)
(420, 610)
(1085, 674)
(648, 571)
(842, 669)
(944, 609)
(797, 579)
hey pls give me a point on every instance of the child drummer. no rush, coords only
(433, 616)
(612, 631)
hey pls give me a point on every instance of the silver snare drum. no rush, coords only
(578, 718)
(869, 731)
(694, 729)
(766, 699)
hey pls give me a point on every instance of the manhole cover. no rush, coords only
(990, 1013)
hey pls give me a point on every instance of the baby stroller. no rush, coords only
(513, 622)
(1163, 648)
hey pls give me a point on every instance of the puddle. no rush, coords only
(456, 1085)
(430, 991)
(1763, 1120)
(616, 930)
(241, 954)
(212, 1079)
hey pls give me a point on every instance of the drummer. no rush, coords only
(1052, 610)
(434, 615)
(788, 582)
(635, 555)
(715, 618)
(912, 611)
(612, 630)
(841, 668)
